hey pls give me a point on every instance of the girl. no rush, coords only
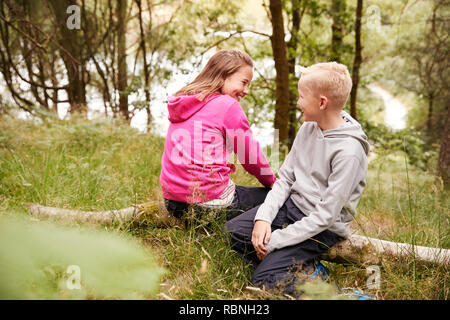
(207, 123)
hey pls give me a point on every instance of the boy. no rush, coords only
(311, 205)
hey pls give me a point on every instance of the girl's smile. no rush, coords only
(237, 84)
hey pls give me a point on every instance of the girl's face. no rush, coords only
(236, 85)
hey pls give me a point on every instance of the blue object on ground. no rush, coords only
(323, 273)
(358, 294)
(320, 271)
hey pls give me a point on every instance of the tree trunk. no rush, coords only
(71, 53)
(54, 83)
(444, 154)
(292, 45)
(281, 120)
(357, 61)
(122, 78)
(430, 114)
(357, 249)
(146, 67)
(337, 29)
(29, 55)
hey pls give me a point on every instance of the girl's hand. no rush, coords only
(260, 237)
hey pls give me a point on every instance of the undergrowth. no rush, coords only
(100, 166)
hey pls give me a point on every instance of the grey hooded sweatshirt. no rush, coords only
(324, 174)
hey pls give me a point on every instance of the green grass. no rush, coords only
(395, 205)
(403, 204)
(101, 166)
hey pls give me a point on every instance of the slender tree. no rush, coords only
(279, 50)
(98, 31)
(427, 69)
(143, 48)
(298, 11)
(28, 54)
(122, 75)
(357, 60)
(71, 51)
(287, 54)
(444, 154)
(337, 29)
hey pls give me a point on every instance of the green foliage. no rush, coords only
(35, 260)
(99, 165)
(413, 143)
(412, 65)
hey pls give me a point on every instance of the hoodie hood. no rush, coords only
(353, 130)
(182, 108)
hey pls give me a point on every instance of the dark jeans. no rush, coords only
(245, 198)
(278, 266)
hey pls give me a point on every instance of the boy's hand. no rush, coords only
(260, 237)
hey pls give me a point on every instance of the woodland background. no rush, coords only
(76, 77)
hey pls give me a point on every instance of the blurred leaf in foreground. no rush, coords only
(40, 260)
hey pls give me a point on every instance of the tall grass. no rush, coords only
(83, 165)
(101, 166)
(80, 165)
(412, 214)
(403, 204)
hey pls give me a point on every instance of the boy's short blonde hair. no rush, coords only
(331, 79)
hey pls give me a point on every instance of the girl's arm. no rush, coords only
(239, 138)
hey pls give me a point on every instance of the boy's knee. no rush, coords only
(229, 227)
(266, 279)
(225, 228)
(239, 226)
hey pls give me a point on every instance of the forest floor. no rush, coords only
(98, 166)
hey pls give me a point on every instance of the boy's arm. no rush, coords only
(276, 197)
(346, 174)
(274, 200)
(281, 189)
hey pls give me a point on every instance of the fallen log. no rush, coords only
(67, 215)
(357, 249)
(153, 212)
(364, 250)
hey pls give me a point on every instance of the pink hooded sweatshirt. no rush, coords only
(201, 136)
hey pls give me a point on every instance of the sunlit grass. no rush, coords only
(384, 209)
(403, 204)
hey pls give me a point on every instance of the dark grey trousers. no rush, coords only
(276, 270)
(245, 198)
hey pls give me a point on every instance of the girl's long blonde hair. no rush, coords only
(211, 79)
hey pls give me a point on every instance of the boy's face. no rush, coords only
(308, 102)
